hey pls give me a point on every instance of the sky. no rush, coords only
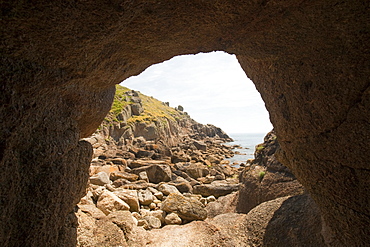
(212, 88)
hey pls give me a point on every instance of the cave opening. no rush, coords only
(309, 60)
(128, 159)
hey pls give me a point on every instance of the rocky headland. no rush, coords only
(159, 178)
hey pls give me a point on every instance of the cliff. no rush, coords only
(159, 126)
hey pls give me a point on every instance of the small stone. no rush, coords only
(203, 201)
(211, 199)
(145, 197)
(152, 205)
(97, 192)
(173, 219)
(160, 214)
(123, 175)
(156, 201)
(159, 195)
(153, 222)
(136, 215)
(143, 176)
(143, 223)
(144, 212)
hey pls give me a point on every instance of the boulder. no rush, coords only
(184, 187)
(187, 208)
(124, 175)
(124, 220)
(214, 159)
(130, 197)
(223, 205)
(266, 178)
(196, 170)
(216, 188)
(91, 210)
(109, 202)
(120, 182)
(167, 189)
(159, 173)
(136, 109)
(142, 153)
(172, 219)
(101, 178)
(102, 232)
(200, 145)
(180, 157)
(286, 221)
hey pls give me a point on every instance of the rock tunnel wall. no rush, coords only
(60, 61)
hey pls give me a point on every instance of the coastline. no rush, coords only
(247, 142)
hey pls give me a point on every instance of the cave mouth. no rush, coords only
(309, 60)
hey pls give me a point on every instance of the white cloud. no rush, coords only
(211, 87)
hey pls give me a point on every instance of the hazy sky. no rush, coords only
(212, 88)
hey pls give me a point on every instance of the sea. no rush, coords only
(248, 142)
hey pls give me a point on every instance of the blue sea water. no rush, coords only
(248, 142)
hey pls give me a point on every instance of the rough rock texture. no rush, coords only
(266, 178)
(187, 208)
(223, 205)
(60, 61)
(285, 221)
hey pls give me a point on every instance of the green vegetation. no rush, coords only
(120, 100)
(154, 110)
(261, 175)
(260, 147)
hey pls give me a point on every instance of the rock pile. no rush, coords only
(173, 190)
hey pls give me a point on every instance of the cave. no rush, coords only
(60, 61)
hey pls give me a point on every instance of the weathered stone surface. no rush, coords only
(124, 175)
(130, 197)
(145, 197)
(124, 220)
(92, 211)
(167, 189)
(196, 170)
(160, 214)
(172, 219)
(102, 232)
(200, 145)
(285, 221)
(311, 70)
(223, 205)
(266, 178)
(100, 178)
(109, 202)
(159, 173)
(216, 188)
(187, 208)
(153, 222)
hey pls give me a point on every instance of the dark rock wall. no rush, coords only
(60, 61)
